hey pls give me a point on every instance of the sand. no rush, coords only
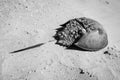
(24, 23)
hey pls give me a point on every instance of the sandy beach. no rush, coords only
(25, 23)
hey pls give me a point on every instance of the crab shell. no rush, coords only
(93, 37)
(93, 41)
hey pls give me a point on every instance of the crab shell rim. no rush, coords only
(94, 40)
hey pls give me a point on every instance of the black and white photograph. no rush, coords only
(59, 39)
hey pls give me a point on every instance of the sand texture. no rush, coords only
(24, 23)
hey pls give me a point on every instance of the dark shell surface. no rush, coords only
(82, 32)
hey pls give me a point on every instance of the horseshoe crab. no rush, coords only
(83, 32)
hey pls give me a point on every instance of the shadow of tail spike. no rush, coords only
(30, 47)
